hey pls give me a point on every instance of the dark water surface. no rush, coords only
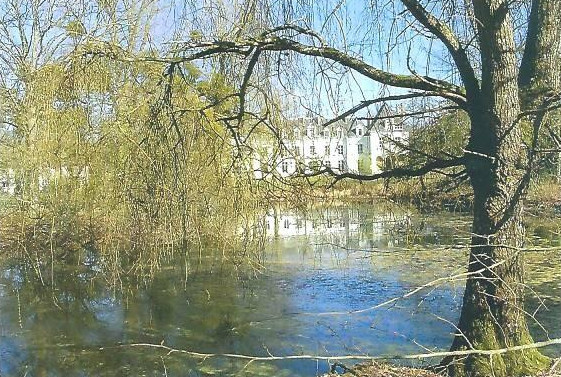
(335, 260)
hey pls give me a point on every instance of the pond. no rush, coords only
(332, 282)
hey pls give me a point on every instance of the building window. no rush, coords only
(339, 133)
(327, 163)
(326, 132)
(359, 131)
(340, 149)
(341, 165)
(360, 149)
(398, 127)
(286, 224)
(312, 149)
(327, 151)
(311, 132)
(284, 166)
(296, 151)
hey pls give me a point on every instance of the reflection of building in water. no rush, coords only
(343, 223)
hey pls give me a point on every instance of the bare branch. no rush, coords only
(447, 36)
(393, 173)
(367, 103)
(193, 51)
(420, 356)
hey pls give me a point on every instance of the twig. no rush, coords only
(418, 356)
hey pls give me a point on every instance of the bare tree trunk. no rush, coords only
(493, 313)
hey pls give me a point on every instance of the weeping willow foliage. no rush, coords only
(117, 156)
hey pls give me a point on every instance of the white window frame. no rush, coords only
(341, 165)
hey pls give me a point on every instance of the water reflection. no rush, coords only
(330, 260)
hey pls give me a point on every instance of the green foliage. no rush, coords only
(115, 154)
(364, 164)
(444, 138)
(75, 29)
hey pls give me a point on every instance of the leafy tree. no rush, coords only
(444, 137)
(500, 91)
(112, 153)
(160, 134)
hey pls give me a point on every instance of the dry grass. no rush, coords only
(374, 369)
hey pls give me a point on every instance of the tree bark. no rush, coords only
(493, 313)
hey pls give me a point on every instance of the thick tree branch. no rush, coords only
(392, 173)
(540, 69)
(189, 51)
(443, 88)
(447, 36)
(245, 83)
(268, 42)
(367, 103)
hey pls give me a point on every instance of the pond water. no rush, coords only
(318, 269)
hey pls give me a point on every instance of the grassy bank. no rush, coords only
(373, 369)
(432, 193)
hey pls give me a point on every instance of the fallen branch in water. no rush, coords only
(419, 356)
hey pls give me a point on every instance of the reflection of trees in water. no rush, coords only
(63, 327)
(216, 308)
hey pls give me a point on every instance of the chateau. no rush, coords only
(364, 146)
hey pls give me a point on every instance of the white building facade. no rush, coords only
(351, 145)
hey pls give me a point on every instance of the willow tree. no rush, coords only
(502, 91)
(114, 155)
